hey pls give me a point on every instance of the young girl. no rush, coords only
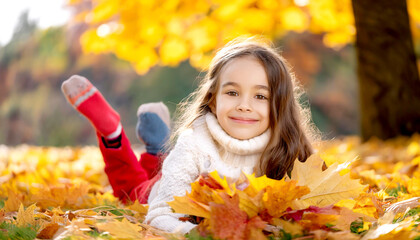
(244, 117)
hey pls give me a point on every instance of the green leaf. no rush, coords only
(356, 225)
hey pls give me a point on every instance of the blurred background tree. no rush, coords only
(144, 37)
(387, 70)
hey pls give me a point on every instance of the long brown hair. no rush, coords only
(291, 129)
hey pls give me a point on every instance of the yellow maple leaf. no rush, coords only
(317, 220)
(256, 184)
(140, 208)
(186, 205)
(13, 201)
(26, 216)
(121, 230)
(326, 187)
(67, 195)
(251, 205)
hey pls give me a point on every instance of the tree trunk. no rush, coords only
(388, 77)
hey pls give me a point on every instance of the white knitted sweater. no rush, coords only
(204, 148)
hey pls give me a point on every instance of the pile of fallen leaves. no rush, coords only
(368, 191)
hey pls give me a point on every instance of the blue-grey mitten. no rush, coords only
(152, 131)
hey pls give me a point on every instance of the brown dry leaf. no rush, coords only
(26, 216)
(121, 230)
(275, 199)
(326, 187)
(48, 231)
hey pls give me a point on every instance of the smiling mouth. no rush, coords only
(243, 120)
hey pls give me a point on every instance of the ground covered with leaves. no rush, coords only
(368, 191)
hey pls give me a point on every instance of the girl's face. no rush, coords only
(242, 100)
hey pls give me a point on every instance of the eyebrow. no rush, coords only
(230, 84)
(237, 85)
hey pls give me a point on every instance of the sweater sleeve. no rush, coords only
(179, 170)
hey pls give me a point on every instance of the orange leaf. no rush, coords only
(276, 201)
(228, 221)
(48, 231)
(254, 228)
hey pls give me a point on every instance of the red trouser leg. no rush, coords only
(151, 163)
(128, 179)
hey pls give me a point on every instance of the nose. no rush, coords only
(243, 106)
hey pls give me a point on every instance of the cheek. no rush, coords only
(266, 113)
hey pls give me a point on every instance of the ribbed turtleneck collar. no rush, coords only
(241, 147)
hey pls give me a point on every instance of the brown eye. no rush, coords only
(261, 97)
(232, 93)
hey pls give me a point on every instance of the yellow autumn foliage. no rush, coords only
(168, 32)
(65, 193)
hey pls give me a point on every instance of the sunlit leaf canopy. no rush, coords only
(166, 32)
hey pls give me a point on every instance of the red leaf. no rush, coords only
(228, 221)
(296, 215)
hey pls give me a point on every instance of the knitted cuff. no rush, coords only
(112, 143)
